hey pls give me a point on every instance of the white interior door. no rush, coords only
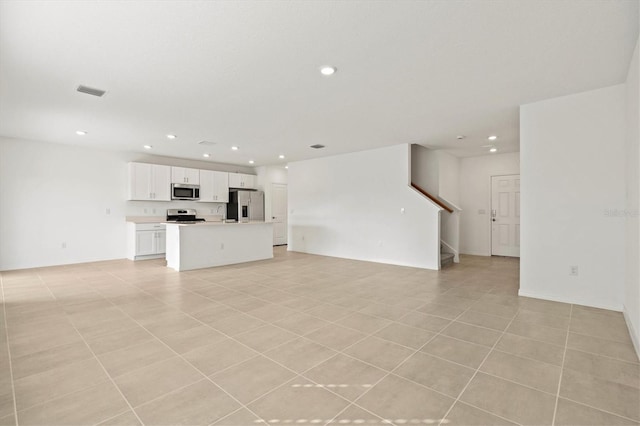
(505, 215)
(279, 213)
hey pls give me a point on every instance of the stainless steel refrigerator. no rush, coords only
(245, 206)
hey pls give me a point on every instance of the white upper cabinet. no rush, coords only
(214, 186)
(149, 182)
(240, 180)
(185, 175)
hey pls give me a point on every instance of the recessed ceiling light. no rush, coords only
(251, 161)
(281, 157)
(81, 132)
(328, 70)
(494, 149)
(171, 136)
(492, 137)
(147, 147)
(459, 137)
(206, 155)
(286, 167)
(234, 148)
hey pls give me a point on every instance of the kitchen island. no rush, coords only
(208, 244)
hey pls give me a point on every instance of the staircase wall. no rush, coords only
(424, 169)
(438, 173)
(360, 206)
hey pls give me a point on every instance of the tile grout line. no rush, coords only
(260, 354)
(304, 336)
(479, 367)
(394, 369)
(608, 341)
(635, 421)
(325, 301)
(564, 356)
(114, 417)
(278, 363)
(6, 331)
(205, 377)
(622, 361)
(94, 356)
(341, 351)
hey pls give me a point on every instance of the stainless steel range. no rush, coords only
(183, 216)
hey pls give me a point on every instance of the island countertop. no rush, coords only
(217, 223)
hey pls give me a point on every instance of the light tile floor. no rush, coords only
(306, 340)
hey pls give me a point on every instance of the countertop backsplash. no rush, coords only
(141, 209)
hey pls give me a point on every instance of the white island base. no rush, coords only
(208, 244)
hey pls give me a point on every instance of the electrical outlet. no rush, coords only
(401, 210)
(303, 238)
(108, 211)
(145, 211)
(154, 211)
(482, 211)
(221, 246)
(64, 245)
(380, 243)
(574, 270)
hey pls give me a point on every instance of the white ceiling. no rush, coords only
(247, 73)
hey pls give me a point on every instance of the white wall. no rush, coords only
(350, 205)
(632, 231)
(449, 177)
(572, 173)
(424, 169)
(52, 194)
(268, 175)
(475, 196)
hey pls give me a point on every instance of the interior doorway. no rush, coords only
(279, 213)
(505, 215)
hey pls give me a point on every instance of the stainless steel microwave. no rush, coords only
(183, 191)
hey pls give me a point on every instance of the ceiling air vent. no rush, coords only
(317, 146)
(91, 91)
(207, 143)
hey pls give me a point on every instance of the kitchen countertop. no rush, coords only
(216, 223)
(145, 219)
(163, 219)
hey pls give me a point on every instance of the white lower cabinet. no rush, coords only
(146, 240)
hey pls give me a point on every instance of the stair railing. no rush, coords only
(432, 198)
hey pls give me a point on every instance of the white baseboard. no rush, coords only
(633, 332)
(555, 298)
(474, 253)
